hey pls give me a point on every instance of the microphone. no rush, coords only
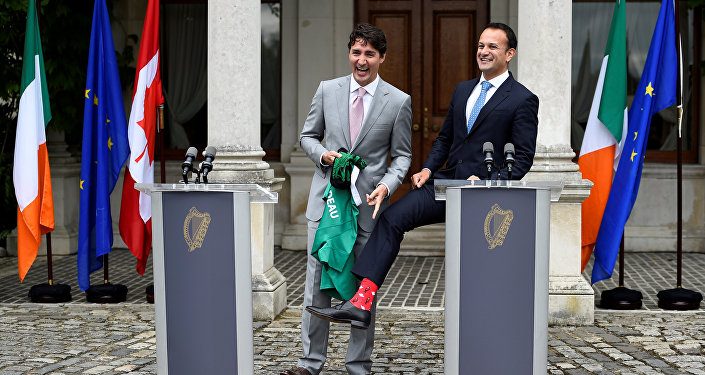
(509, 158)
(207, 165)
(488, 151)
(187, 165)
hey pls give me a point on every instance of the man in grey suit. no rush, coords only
(372, 119)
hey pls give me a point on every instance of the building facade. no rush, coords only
(240, 75)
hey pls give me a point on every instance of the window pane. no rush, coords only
(271, 83)
(184, 74)
(591, 25)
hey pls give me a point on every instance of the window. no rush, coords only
(270, 128)
(591, 25)
(184, 33)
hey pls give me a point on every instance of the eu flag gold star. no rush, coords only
(87, 91)
(95, 100)
(110, 144)
(81, 184)
(635, 135)
(633, 155)
(649, 90)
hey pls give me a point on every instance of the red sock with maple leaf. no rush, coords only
(365, 295)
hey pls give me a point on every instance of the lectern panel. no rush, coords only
(497, 288)
(199, 282)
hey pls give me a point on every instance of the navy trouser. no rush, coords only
(417, 208)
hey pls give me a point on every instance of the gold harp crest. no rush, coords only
(497, 223)
(195, 228)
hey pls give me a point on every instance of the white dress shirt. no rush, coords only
(369, 94)
(496, 82)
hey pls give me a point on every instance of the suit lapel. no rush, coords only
(342, 95)
(498, 97)
(461, 105)
(379, 101)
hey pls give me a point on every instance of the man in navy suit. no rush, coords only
(492, 108)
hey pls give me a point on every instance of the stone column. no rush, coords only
(318, 45)
(234, 130)
(65, 171)
(547, 25)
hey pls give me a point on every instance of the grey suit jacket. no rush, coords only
(386, 131)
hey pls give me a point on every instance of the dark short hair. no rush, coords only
(369, 34)
(507, 30)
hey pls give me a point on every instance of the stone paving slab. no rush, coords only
(119, 339)
(416, 282)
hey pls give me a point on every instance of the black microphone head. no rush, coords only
(488, 147)
(509, 148)
(210, 150)
(192, 152)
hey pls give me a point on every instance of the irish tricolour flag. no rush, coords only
(607, 121)
(35, 205)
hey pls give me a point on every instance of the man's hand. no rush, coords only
(376, 198)
(473, 177)
(418, 179)
(329, 157)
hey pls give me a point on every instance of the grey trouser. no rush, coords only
(314, 331)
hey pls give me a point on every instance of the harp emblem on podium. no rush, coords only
(497, 223)
(195, 228)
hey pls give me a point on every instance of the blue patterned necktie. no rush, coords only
(478, 104)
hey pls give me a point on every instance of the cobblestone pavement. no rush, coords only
(83, 338)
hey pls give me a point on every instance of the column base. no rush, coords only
(571, 301)
(268, 295)
(295, 237)
(64, 241)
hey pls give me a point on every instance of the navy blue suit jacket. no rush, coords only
(511, 115)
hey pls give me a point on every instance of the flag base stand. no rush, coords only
(50, 293)
(679, 299)
(106, 293)
(149, 292)
(621, 298)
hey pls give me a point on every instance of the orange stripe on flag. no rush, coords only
(596, 166)
(37, 218)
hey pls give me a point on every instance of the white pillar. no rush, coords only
(314, 36)
(547, 25)
(234, 55)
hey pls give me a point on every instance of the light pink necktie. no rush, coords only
(357, 112)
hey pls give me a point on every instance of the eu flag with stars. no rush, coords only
(105, 147)
(656, 91)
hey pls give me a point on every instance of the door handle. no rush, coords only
(435, 127)
(415, 127)
(425, 127)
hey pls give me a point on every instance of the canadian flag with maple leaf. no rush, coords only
(136, 210)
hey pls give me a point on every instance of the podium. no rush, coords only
(203, 276)
(497, 249)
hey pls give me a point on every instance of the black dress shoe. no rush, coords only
(345, 312)
(295, 371)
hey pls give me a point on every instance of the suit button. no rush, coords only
(460, 162)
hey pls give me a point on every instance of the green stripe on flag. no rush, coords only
(32, 48)
(614, 91)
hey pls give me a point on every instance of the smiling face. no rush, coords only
(364, 62)
(493, 52)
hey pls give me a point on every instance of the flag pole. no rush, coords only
(50, 292)
(621, 297)
(149, 291)
(679, 298)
